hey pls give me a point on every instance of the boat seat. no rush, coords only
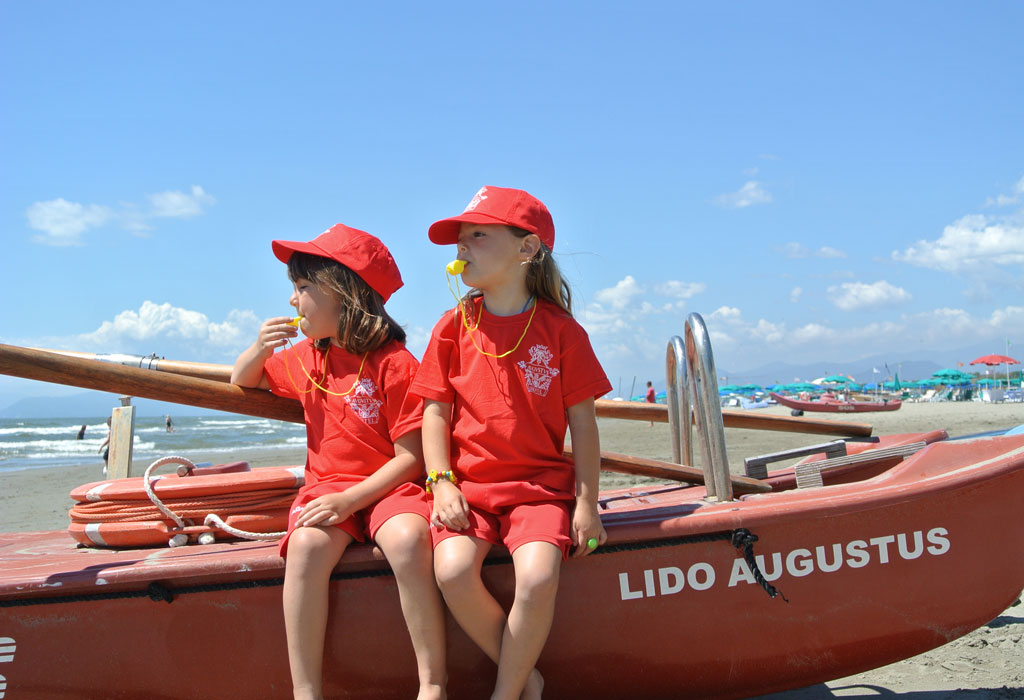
(808, 475)
(757, 467)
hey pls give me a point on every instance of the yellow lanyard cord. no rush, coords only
(470, 331)
(316, 385)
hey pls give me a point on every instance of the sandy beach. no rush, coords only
(987, 663)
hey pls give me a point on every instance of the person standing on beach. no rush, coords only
(105, 448)
(650, 397)
(168, 424)
(504, 375)
(351, 375)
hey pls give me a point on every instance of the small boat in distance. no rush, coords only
(828, 403)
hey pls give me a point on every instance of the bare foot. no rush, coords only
(431, 692)
(534, 686)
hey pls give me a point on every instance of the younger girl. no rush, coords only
(364, 446)
(505, 373)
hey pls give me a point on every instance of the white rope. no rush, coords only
(214, 520)
(211, 519)
(149, 487)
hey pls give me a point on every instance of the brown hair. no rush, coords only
(363, 325)
(543, 278)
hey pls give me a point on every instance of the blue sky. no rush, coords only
(821, 181)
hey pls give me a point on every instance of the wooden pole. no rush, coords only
(640, 466)
(634, 410)
(192, 391)
(628, 410)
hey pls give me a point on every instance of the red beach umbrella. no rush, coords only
(995, 360)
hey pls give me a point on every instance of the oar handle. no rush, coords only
(89, 374)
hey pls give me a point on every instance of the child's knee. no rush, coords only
(537, 584)
(454, 573)
(313, 547)
(406, 543)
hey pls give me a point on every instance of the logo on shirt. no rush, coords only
(477, 198)
(362, 401)
(537, 373)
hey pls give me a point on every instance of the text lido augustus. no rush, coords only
(855, 554)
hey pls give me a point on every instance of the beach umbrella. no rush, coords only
(995, 361)
(952, 374)
(750, 388)
(729, 389)
(836, 379)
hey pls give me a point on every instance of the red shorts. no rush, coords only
(495, 519)
(406, 498)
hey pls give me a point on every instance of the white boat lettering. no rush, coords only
(797, 563)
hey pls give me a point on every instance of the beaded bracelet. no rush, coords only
(434, 476)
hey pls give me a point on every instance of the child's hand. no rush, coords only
(450, 507)
(274, 333)
(586, 525)
(331, 509)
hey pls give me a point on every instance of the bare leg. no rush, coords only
(405, 541)
(537, 566)
(312, 554)
(457, 564)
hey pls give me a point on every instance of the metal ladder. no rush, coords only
(693, 398)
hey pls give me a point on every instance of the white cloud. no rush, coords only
(854, 296)
(680, 290)
(728, 314)
(829, 252)
(798, 251)
(64, 222)
(163, 325)
(174, 203)
(795, 293)
(969, 243)
(1003, 200)
(750, 194)
(619, 296)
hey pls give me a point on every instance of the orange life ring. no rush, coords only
(119, 513)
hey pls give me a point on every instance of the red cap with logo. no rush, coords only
(357, 250)
(499, 205)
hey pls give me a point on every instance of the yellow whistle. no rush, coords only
(455, 267)
(295, 321)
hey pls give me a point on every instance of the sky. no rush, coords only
(820, 181)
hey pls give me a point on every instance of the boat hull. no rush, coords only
(835, 406)
(873, 571)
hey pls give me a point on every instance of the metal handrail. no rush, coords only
(693, 398)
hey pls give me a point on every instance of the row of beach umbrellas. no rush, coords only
(948, 377)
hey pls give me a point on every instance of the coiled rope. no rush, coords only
(183, 512)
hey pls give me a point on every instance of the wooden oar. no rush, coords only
(629, 410)
(89, 374)
(658, 413)
(640, 466)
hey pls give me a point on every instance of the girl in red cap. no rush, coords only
(352, 375)
(505, 374)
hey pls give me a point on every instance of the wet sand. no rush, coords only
(987, 663)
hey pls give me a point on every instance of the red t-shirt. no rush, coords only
(509, 414)
(348, 437)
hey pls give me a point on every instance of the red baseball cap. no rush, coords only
(499, 205)
(357, 250)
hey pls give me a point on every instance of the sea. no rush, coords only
(52, 443)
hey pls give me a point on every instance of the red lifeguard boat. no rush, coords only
(825, 569)
(828, 403)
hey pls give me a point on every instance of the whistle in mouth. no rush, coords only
(295, 321)
(455, 267)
